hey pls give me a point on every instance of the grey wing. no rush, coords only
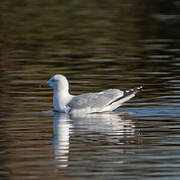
(95, 100)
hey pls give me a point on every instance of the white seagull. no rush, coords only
(107, 100)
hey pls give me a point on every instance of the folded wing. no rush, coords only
(95, 100)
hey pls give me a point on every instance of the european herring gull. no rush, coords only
(107, 100)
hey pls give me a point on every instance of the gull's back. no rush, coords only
(94, 102)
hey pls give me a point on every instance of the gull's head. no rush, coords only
(59, 82)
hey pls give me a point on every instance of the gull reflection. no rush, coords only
(111, 125)
(106, 123)
(61, 138)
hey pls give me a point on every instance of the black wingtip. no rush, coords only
(134, 90)
(140, 88)
(128, 93)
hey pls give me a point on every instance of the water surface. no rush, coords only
(97, 45)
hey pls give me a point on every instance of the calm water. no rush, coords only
(97, 45)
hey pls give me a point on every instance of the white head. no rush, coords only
(59, 82)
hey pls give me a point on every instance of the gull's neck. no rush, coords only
(61, 98)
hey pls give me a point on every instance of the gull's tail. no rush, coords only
(128, 94)
(132, 91)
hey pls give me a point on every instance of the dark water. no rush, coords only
(97, 45)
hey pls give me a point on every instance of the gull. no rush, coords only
(107, 100)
